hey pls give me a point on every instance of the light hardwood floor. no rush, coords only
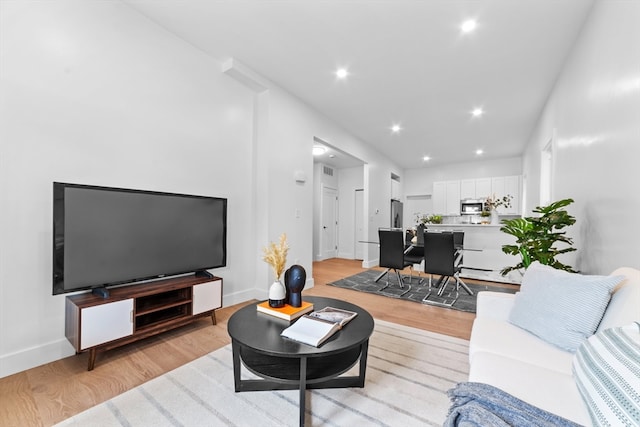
(48, 394)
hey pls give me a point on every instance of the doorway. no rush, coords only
(329, 223)
(336, 174)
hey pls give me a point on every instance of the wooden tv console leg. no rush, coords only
(92, 359)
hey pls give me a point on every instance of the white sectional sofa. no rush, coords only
(531, 369)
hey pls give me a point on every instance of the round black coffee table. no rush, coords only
(285, 364)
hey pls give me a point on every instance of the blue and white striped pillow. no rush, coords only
(606, 369)
(559, 307)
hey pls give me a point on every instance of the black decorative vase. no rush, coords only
(294, 280)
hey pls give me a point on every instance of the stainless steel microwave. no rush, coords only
(471, 206)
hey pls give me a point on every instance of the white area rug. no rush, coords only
(408, 374)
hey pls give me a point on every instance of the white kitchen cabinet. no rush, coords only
(497, 186)
(468, 189)
(479, 188)
(483, 188)
(512, 185)
(453, 198)
(507, 185)
(497, 191)
(439, 197)
(446, 197)
(447, 194)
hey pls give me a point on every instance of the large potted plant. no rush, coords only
(536, 237)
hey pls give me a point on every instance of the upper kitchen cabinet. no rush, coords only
(507, 186)
(446, 197)
(513, 186)
(447, 194)
(468, 189)
(483, 188)
(479, 188)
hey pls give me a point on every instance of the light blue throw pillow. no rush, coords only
(559, 307)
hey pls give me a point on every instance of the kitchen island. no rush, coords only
(485, 258)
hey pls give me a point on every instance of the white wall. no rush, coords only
(92, 92)
(594, 113)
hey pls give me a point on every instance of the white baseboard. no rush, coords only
(346, 255)
(370, 263)
(35, 356)
(238, 297)
(255, 293)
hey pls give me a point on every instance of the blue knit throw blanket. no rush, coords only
(482, 405)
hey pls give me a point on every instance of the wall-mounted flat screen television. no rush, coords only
(109, 236)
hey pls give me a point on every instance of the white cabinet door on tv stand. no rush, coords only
(107, 322)
(207, 297)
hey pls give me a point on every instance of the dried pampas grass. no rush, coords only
(276, 255)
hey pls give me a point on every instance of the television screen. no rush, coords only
(107, 236)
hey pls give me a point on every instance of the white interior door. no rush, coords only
(359, 225)
(329, 223)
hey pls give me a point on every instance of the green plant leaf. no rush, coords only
(536, 236)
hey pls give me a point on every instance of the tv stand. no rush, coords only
(95, 323)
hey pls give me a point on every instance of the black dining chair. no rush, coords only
(392, 247)
(458, 242)
(440, 259)
(415, 252)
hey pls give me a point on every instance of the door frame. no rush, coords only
(323, 253)
(359, 220)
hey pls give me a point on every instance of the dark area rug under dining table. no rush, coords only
(365, 282)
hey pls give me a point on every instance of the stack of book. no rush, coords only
(287, 312)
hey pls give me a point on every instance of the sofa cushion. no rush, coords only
(504, 339)
(624, 306)
(545, 388)
(496, 305)
(561, 308)
(607, 372)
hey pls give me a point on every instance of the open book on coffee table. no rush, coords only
(317, 327)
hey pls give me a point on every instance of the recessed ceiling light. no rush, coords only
(342, 73)
(468, 26)
(426, 158)
(477, 112)
(319, 150)
(479, 152)
(396, 128)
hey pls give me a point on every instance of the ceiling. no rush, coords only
(408, 62)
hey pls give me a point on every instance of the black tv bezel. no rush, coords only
(58, 272)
